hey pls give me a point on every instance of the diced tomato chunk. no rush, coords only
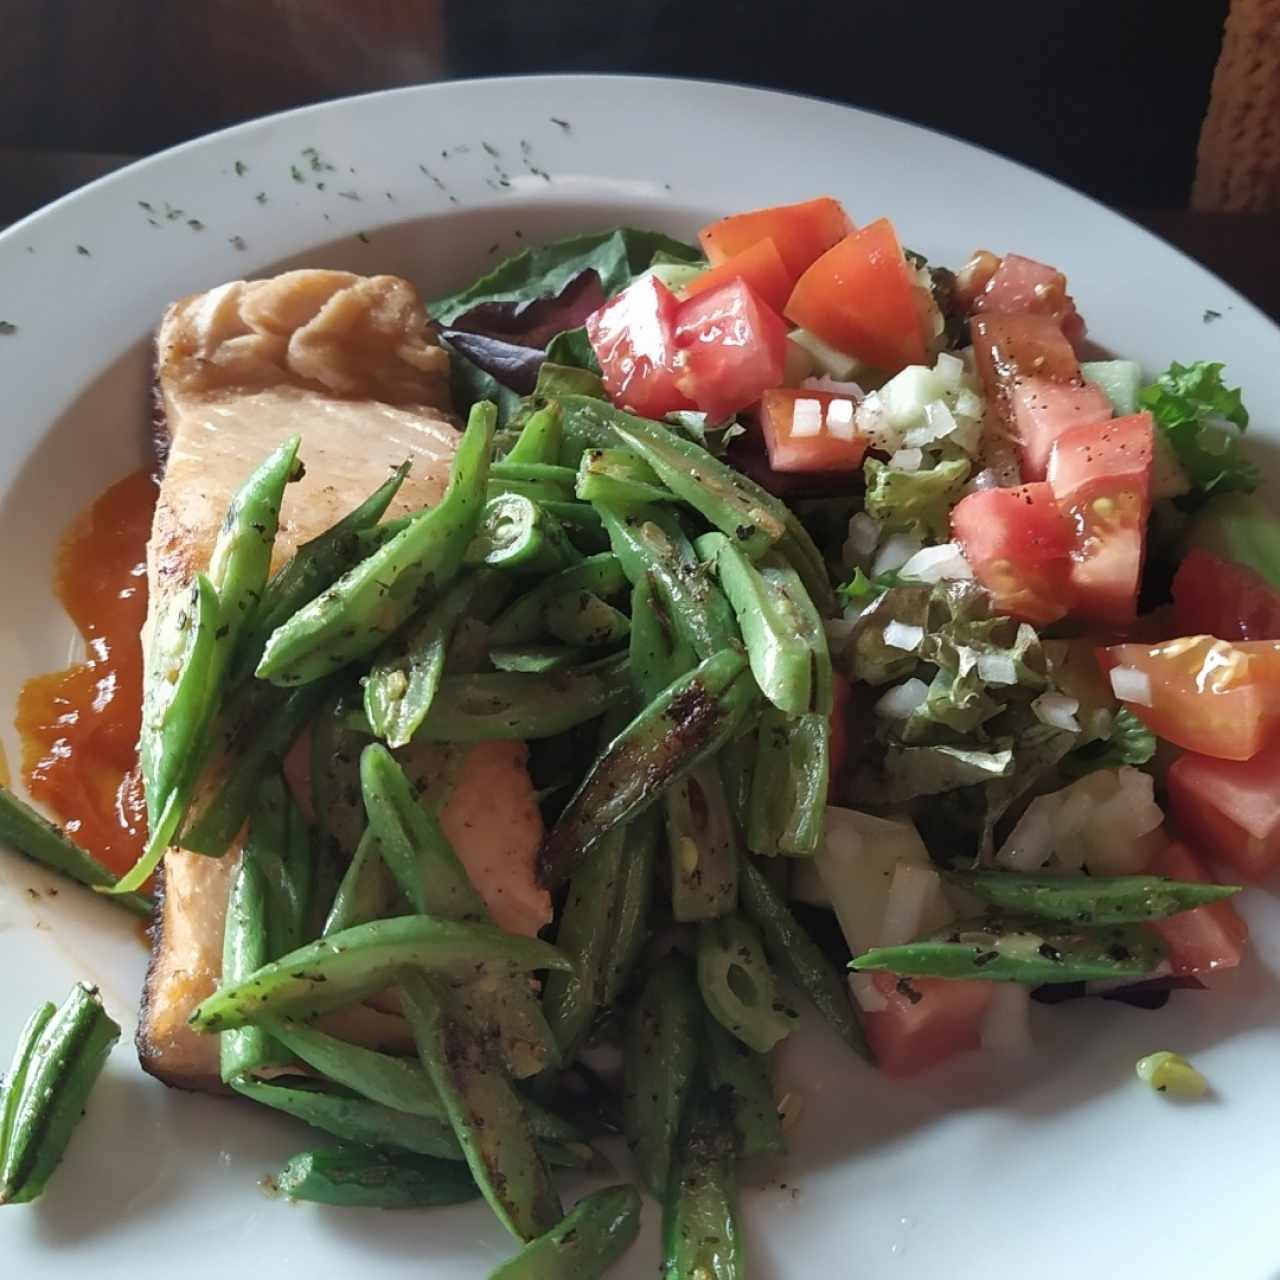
(1210, 696)
(1008, 347)
(1042, 410)
(802, 232)
(825, 451)
(733, 346)
(1023, 285)
(1220, 598)
(633, 336)
(760, 266)
(1018, 543)
(923, 1021)
(1101, 477)
(861, 297)
(1207, 938)
(1230, 808)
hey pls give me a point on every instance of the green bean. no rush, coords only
(581, 522)
(355, 1119)
(280, 843)
(683, 726)
(1088, 900)
(317, 565)
(742, 1079)
(703, 843)
(737, 762)
(584, 1244)
(660, 1064)
(522, 621)
(535, 659)
(737, 985)
(797, 548)
(243, 752)
(35, 837)
(1030, 954)
(789, 786)
(335, 778)
(519, 535)
(536, 491)
(618, 478)
(796, 602)
(488, 1119)
(511, 704)
(371, 600)
(407, 673)
(725, 497)
(650, 544)
(366, 891)
(346, 967)
(540, 437)
(61, 1055)
(658, 656)
(633, 899)
(358, 1178)
(702, 1239)
(535, 473)
(586, 621)
(798, 957)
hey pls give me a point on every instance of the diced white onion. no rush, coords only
(898, 548)
(1030, 844)
(943, 563)
(950, 369)
(906, 394)
(833, 387)
(902, 699)
(806, 418)
(864, 533)
(997, 668)
(840, 419)
(872, 420)
(866, 994)
(969, 404)
(1131, 685)
(1058, 711)
(1006, 1024)
(916, 905)
(904, 636)
(906, 460)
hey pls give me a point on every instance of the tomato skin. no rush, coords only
(1018, 543)
(1023, 285)
(1012, 346)
(1209, 696)
(1220, 598)
(801, 232)
(1043, 410)
(805, 454)
(1230, 808)
(1101, 477)
(761, 266)
(861, 297)
(733, 347)
(633, 337)
(1203, 940)
(910, 1035)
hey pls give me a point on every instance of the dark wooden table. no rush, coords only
(1244, 249)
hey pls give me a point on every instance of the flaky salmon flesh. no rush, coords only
(347, 363)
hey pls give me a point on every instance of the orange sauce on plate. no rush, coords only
(79, 727)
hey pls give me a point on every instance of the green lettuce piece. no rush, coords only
(555, 380)
(713, 437)
(616, 256)
(1129, 742)
(865, 656)
(911, 772)
(860, 589)
(1194, 410)
(573, 348)
(915, 501)
(1240, 528)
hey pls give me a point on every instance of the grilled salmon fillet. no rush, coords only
(348, 363)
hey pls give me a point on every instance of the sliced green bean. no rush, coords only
(346, 967)
(488, 1118)
(798, 957)
(737, 760)
(522, 622)
(798, 549)
(633, 899)
(703, 842)
(702, 1238)
(584, 1244)
(373, 599)
(684, 725)
(618, 478)
(62, 1055)
(535, 472)
(34, 836)
(1088, 900)
(1034, 955)
(737, 985)
(358, 1178)
(366, 892)
(534, 659)
(581, 522)
(280, 843)
(585, 621)
(742, 1078)
(541, 492)
(407, 673)
(664, 1030)
(658, 655)
(518, 535)
(540, 437)
(789, 785)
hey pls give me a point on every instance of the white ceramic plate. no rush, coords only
(1060, 1165)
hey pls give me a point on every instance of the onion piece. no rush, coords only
(902, 699)
(906, 460)
(866, 994)
(916, 905)
(943, 563)
(898, 548)
(864, 533)
(1057, 710)
(806, 418)
(1131, 685)
(840, 419)
(1006, 1024)
(949, 369)
(997, 668)
(833, 387)
(904, 636)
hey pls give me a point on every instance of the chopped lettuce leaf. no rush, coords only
(573, 348)
(1194, 410)
(861, 590)
(1129, 742)
(713, 437)
(911, 772)
(555, 380)
(917, 502)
